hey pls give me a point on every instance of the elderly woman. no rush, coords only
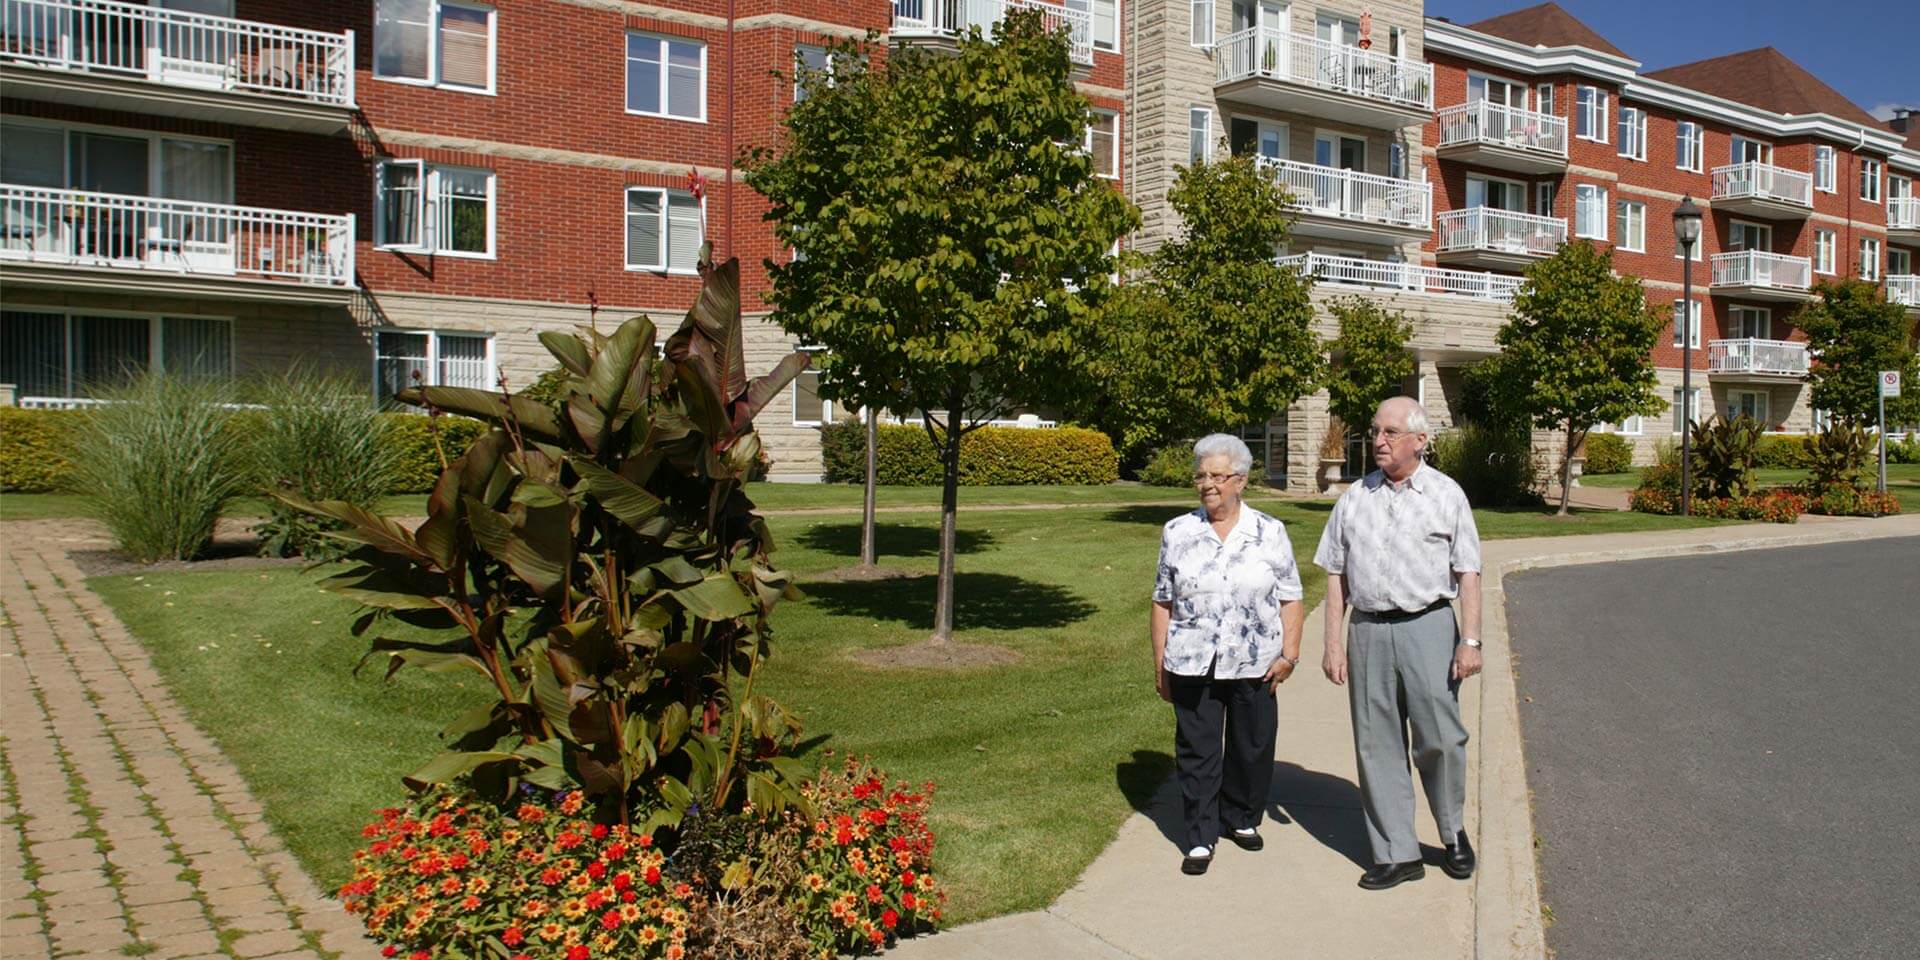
(1225, 623)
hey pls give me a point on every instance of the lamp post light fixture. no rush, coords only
(1686, 232)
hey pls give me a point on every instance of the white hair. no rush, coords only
(1239, 458)
(1416, 420)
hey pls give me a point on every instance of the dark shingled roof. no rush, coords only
(1546, 25)
(1767, 79)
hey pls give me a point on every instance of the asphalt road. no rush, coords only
(1724, 752)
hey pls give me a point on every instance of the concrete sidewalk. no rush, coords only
(1298, 898)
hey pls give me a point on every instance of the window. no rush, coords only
(1824, 245)
(1750, 323)
(1751, 403)
(61, 355)
(434, 209)
(402, 358)
(1748, 150)
(1870, 180)
(1103, 143)
(810, 66)
(1543, 98)
(1630, 427)
(666, 77)
(1590, 211)
(1396, 161)
(1544, 194)
(1633, 133)
(1823, 168)
(1105, 15)
(1200, 22)
(434, 42)
(1494, 90)
(1692, 311)
(1869, 259)
(1632, 225)
(1199, 135)
(1689, 146)
(809, 408)
(1899, 262)
(1498, 194)
(1590, 114)
(1688, 411)
(664, 230)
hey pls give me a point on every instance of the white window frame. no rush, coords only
(1905, 265)
(1693, 323)
(1633, 125)
(1633, 232)
(1543, 98)
(1545, 194)
(1630, 427)
(793, 407)
(1092, 7)
(1205, 130)
(667, 197)
(432, 378)
(1483, 80)
(1763, 408)
(1086, 143)
(1734, 229)
(1870, 258)
(1590, 111)
(1200, 14)
(666, 95)
(434, 32)
(1870, 174)
(1596, 203)
(1517, 187)
(1735, 315)
(1691, 406)
(1734, 153)
(1824, 165)
(1826, 247)
(156, 143)
(799, 65)
(427, 210)
(1689, 146)
(156, 335)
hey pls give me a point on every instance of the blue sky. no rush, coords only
(1865, 53)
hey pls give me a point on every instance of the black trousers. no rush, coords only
(1223, 752)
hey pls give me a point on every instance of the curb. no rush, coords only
(1507, 923)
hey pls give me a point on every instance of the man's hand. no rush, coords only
(1334, 663)
(1466, 661)
(1278, 673)
(1160, 683)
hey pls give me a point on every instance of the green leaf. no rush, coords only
(538, 548)
(718, 597)
(682, 659)
(567, 349)
(406, 589)
(534, 418)
(445, 767)
(633, 505)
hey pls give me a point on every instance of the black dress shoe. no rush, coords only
(1195, 866)
(1458, 861)
(1384, 875)
(1246, 841)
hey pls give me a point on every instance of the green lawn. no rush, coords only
(1037, 761)
(53, 506)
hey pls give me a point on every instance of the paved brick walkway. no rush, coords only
(123, 830)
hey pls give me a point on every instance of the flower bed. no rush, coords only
(1773, 506)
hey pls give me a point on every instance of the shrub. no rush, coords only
(1843, 500)
(34, 449)
(1906, 450)
(990, 455)
(1494, 468)
(1782, 453)
(1608, 453)
(1723, 454)
(1170, 466)
(1837, 457)
(317, 438)
(158, 463)
(419, 440)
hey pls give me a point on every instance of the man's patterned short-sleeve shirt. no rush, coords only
(1400, 544)
(1225, 595)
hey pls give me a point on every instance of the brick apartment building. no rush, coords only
(392, 186)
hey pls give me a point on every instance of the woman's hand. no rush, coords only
(1278, 673)
(1160, 683)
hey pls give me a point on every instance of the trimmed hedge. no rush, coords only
(1000, 456)
(1782, 452)
(1608, 453)
(419, 464)
(33, 449)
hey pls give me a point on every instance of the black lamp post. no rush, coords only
(1686, 231)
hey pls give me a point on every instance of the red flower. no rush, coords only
(617, 851)
(889, 918)
(421, 955)
(389, 950)
(513, 937)
(622, 880)
(596, 870)
(628, 896)
(877, 817)
(874, 894)
(599, 831)
(550, 876)
(578, 952)
(653, 876)
(646, 840)
(567, 840)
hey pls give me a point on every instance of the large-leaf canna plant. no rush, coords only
(596, 560)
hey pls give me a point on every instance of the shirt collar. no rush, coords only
(1417, 481)
(1243, 524)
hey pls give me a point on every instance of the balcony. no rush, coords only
(1763, 190)
(80, 240)
(1403, 277)
(1757, 361)
(1354, 206)
(124, 56)
(939, 24)
(1498, 239)
(1754, 275)
(1286, 71)
(1903, 220)
(1904, 289)
(1505, 138)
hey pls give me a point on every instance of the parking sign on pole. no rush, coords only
(1889, 387)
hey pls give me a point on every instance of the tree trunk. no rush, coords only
(949, 504)
(867, 553)
(1566, 473)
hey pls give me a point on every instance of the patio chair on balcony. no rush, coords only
(158, 245)
(278, 68)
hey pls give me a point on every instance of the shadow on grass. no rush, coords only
(985, 601)
(889, 540)
(1155, 515)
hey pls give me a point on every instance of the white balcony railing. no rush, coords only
(1311, 61)
(951, 18)
(1904, 289)
(1405, 277)
(81, 228)
(178, 48)
(1762, 181)
(1776, 357)
(1501, 231)
(1352, 195)
(1903, 213)
(1754, 268)
(1503, 126)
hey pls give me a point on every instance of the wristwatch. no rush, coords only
(1291, 661)
(1471, 642)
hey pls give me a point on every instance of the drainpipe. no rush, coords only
(727, 231)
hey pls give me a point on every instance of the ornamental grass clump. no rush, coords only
(158, 461)
(316, 437)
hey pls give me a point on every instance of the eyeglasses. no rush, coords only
(1214, 478)
(1392, 435)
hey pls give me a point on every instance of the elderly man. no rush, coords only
(1399, 547)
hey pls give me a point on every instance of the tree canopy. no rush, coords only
(1854, 333)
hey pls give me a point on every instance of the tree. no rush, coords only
(950, 235)
(1215, 335)
(1371, 358)
(1579, 341)
(1853, 334)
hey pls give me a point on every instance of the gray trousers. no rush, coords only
(1399, 677)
